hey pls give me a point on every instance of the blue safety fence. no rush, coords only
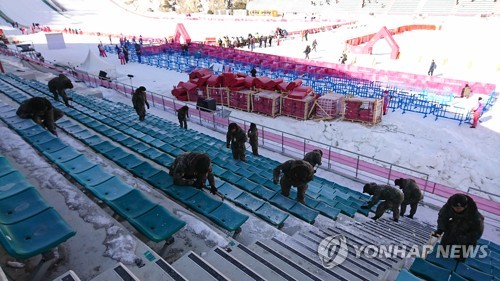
(422, 101)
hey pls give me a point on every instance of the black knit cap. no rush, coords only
(459, 200)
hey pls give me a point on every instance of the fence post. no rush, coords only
(282, 142)
(390, 172)
(357, 166)
(163, 103)
(329, 157)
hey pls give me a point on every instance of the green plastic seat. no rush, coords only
(144, 170)
(73, 129)
(262, 192)
(470, 273)
(157, 224)
(129, 161)
(116, 154)
(448, 263)
(327, 210)
(132, 204)
(165, 160)
(230, 177)
(93, 140)
(404, 275)
(5, 166)
(62, 155)
(110, 189)
(140, 147)
(243, 183)
(182, 193)
(346, 210)
(151, 153)
(258, 179)
(76, 165)
(227, 217)
(248, 202)
(176, 152)
(161, 180)
(479, 265)
(229, 191)
(282, 202)
(166, 148)
(21, 206)
(35, 235)
(271, 214)
(104, 147)
(43, 137)
(118, 137)
(428, 271)
(51, 146)
(92, 176)
(129, 142)
(83, 134)
(31, 131)
(12, 183)
(203, 203)
(303, 212)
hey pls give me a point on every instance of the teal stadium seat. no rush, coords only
(140, 147)
(404, 275)
(157, 224)
(129, 161)
(242, 182)
(428, 271)
(21, 206)
(248, 202)
(110, 189)
(203, 203)
(76, 165)
(132, 204)
(34, 235)
(116, 154)
(271, 214)
(456, 277)
(92, 176)
(263, 192)
(471, 273)
(303, 212)
(227, 217)
(144, 170)
(62, 155)
(11, 184)
(161, 180)
(282, 202)
(448, 263)
(230, 191)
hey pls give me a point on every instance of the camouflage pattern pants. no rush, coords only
(286, 185)
(413, 207)
(382, 207)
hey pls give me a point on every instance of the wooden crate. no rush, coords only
(365, 110)
(241, 99)
(297, 108)
(219, 94)
(329, 106)
(266, 102)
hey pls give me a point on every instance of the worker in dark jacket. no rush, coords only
(295, 173)
(193, 169)
(314, 157)
(182, 115)
(392, 199)
(57, 87)
(236, 139)
(253, 138)
(41, 111)
(411, 195)
(460, 222)
(139, 99)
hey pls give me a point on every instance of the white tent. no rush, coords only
(93, 64)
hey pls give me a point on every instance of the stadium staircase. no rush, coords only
(145, 148)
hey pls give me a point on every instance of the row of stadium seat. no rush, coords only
(24, 231)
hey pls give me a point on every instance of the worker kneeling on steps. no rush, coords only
(392, 199)
(193, 169)
(297, 173)
(41, 111)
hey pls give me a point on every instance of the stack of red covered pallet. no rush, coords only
(239, 93)
(266, 102)
(363, 110)
(329, 106)
(194, 88)
(299, 103)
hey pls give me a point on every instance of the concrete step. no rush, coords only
(386, 263)
(293, 265)
(345, 271)
(308, 243)
(393, 231)
(231, 266)
(263, 266)
(194, 267)
(69, 275)
(116, 273)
